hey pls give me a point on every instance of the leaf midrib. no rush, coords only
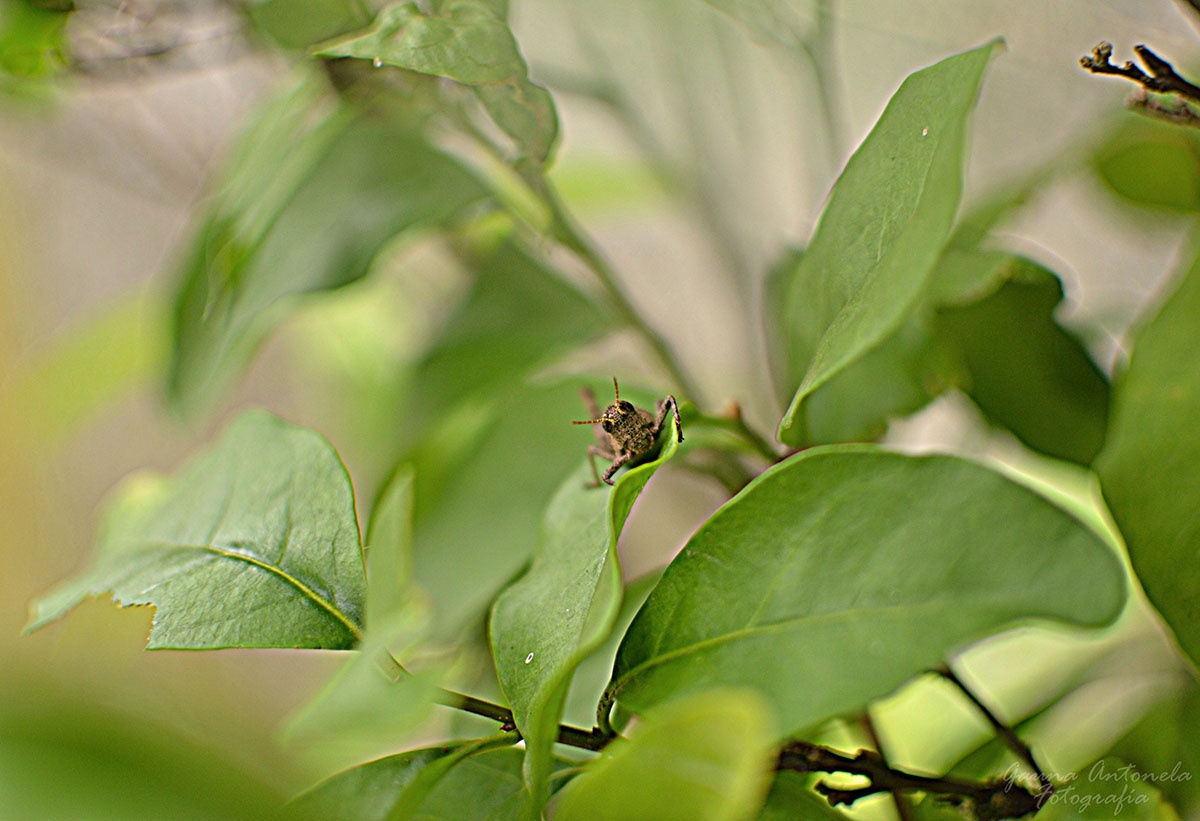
(755, 630)
(249, 557)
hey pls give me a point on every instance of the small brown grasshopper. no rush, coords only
(626, 433)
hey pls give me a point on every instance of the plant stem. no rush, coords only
(594, 739)
(572, 238)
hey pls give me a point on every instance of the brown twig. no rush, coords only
(1019, 748)
(987, 801)
(1161, 78)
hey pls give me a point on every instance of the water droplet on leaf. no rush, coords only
(529, 658)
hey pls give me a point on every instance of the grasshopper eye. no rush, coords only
(608, 424)
(625, 407)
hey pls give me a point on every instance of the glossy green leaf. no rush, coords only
(1023, 370)
(705, 756)
(254, 544)
(545, 624)
(391, 787)
(470, 42)
(306, 209)
(887, 221)
(1150, 464)
(843, 572)
(1152, 163)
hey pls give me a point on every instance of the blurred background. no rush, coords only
(100, 180)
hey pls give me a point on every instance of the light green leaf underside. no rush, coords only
(845, 571)
(545, 624)
(255, 544)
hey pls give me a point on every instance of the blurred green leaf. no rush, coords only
(846, 570)
(887, 221)
(33, 46)
(704, 756)
(71, 755)
(485, 787)
(300, 23)
(784, 22)
(1152, 163)
(545, 624)
(90, 366)
(1023, 370)
(369, 704)
(791, 797)
(513, 456)
(391, 787)
(518, 316)
(470, 42)
(254, 544)
(371, 701)
(306, 208)
(1107, 789)
(477, 429)
(389, 548)
(1152, 457)
(1163, 745)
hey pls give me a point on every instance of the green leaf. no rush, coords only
(1109, 788)
(469, 42)
(371, 702)
(254, 544)
(484, 787)
(545, 624)
(791, 797)
(1151, 163)
(1023, 370)
(391, 787)
(513, 455)
(1163, 745)
(300, 23)
(888, 219)
(33, 46)
(843, 572)
(705, 756)
(306, 209)
(478, 429)
(389, 548)
(1151, 460)
(519, 315)
(90, 366)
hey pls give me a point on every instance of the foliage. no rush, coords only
(837, 572)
